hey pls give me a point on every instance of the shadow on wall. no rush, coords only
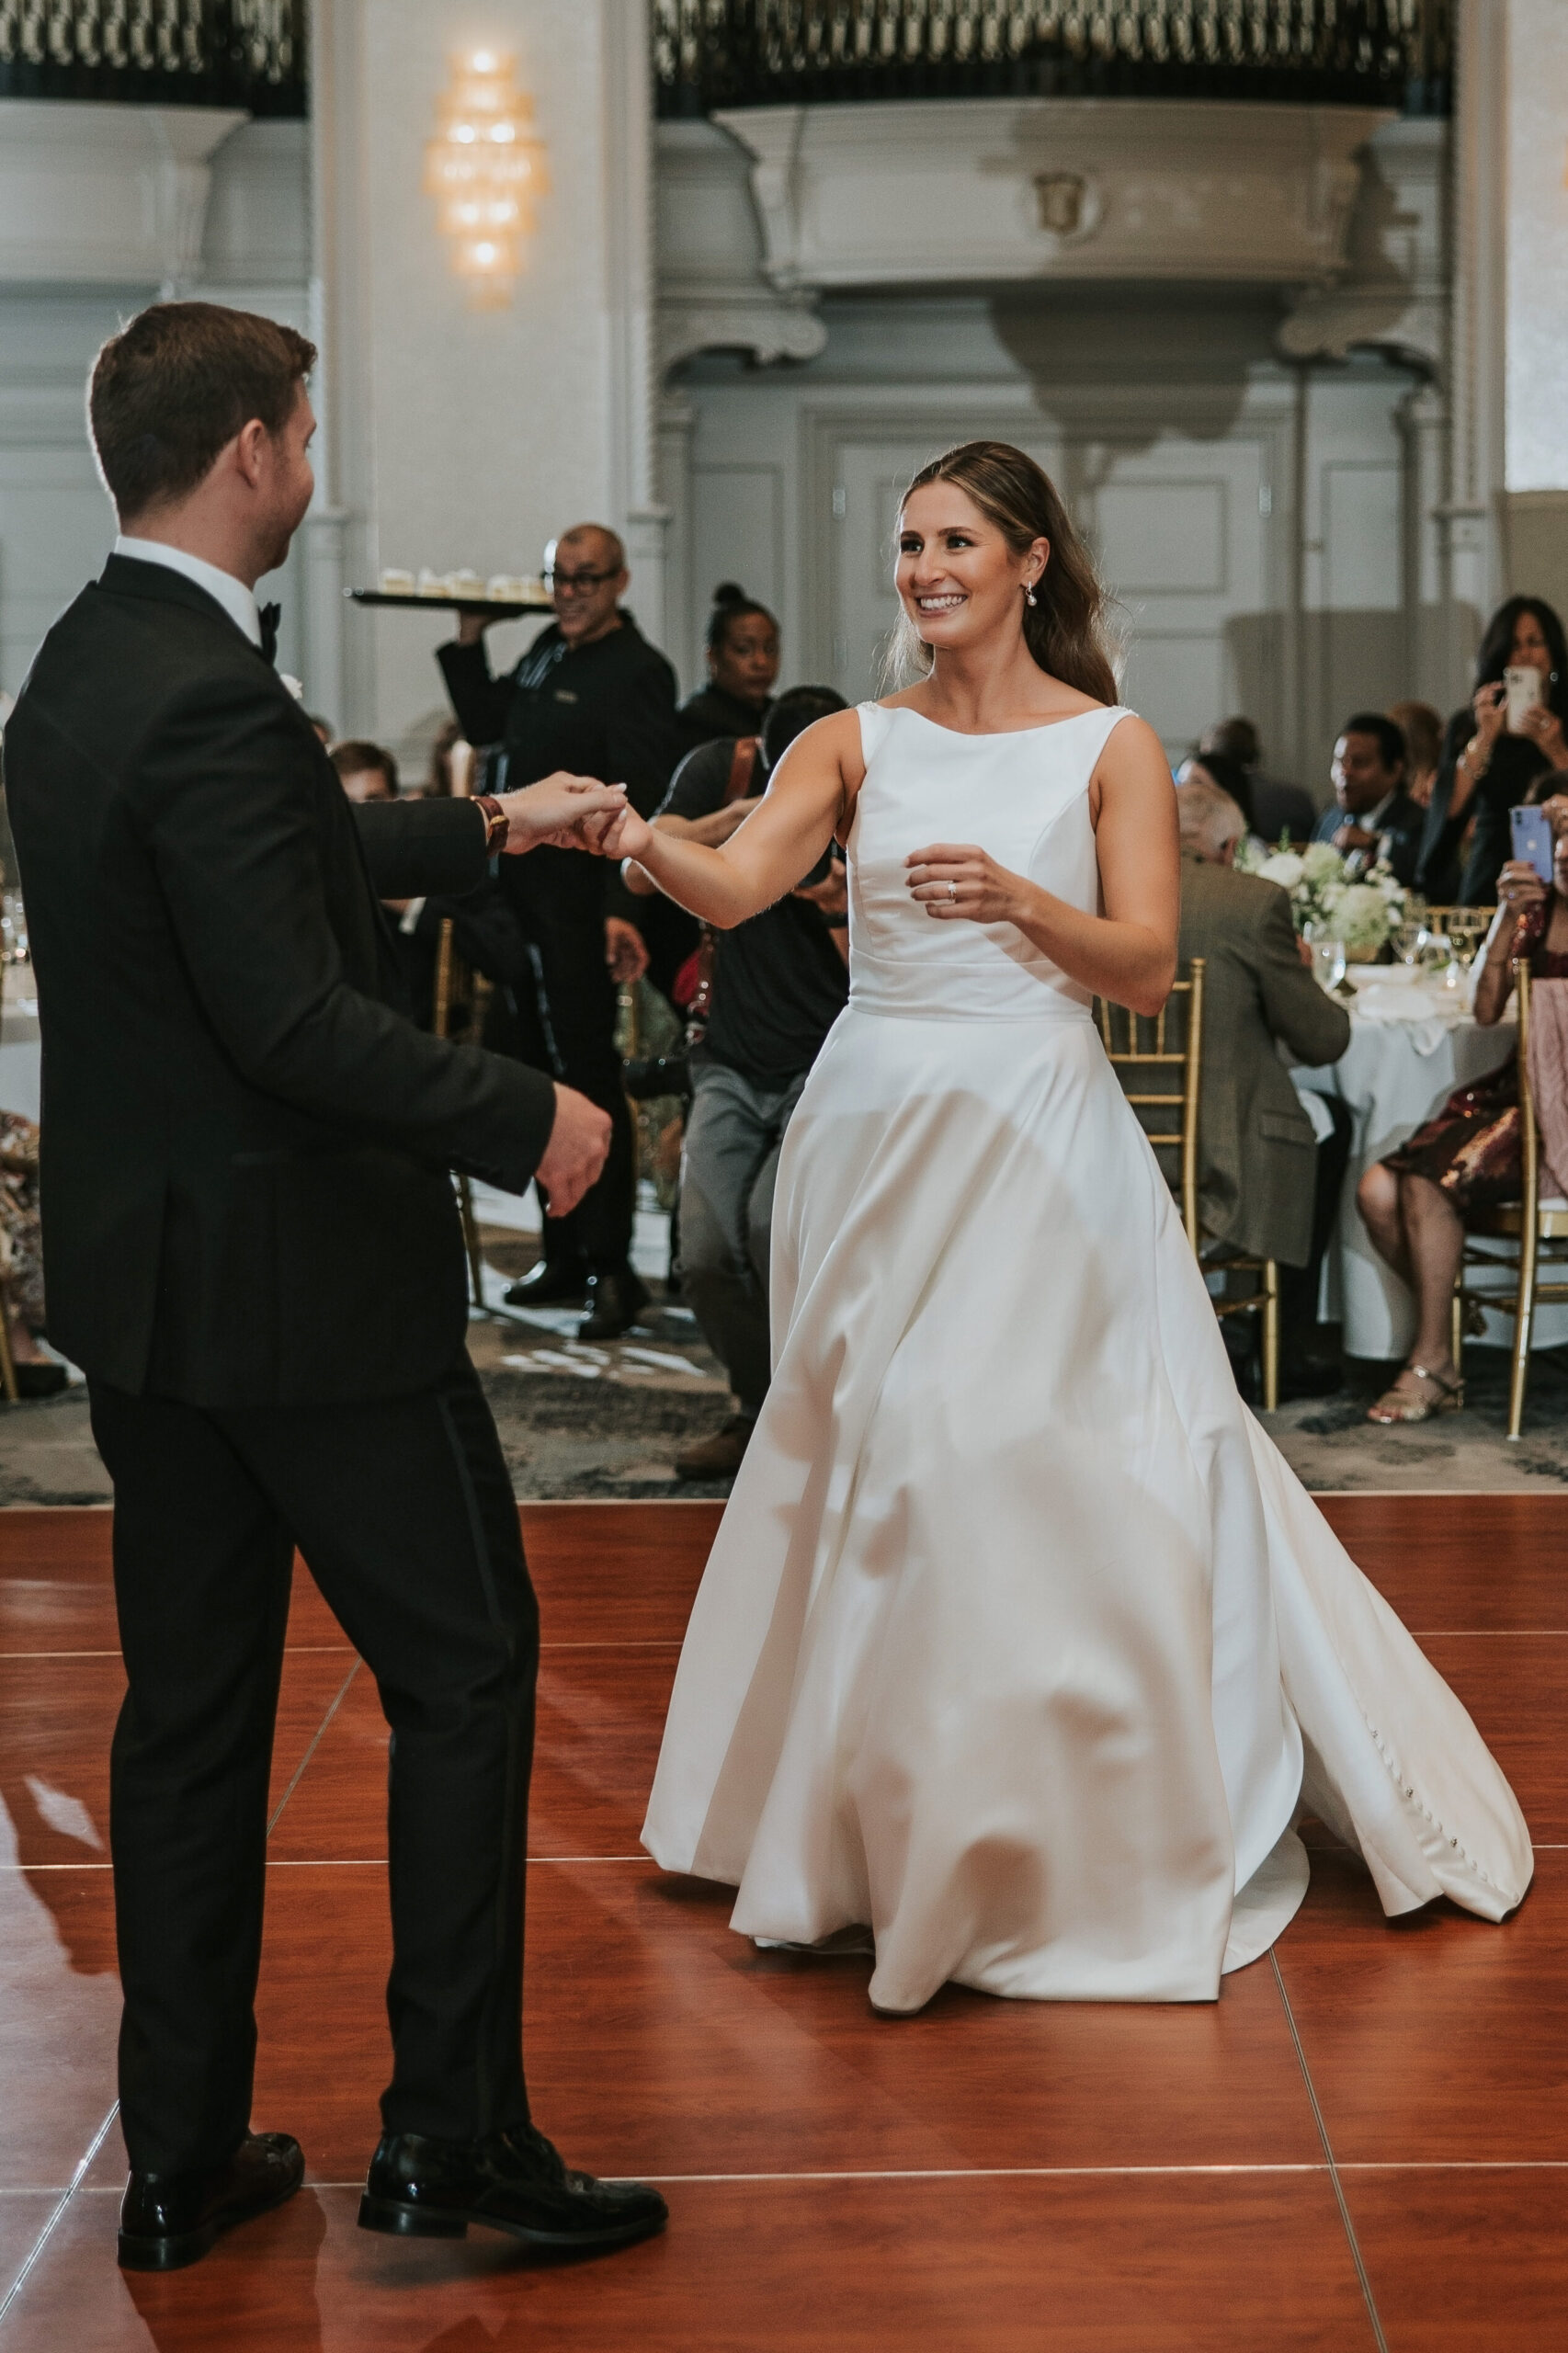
(1355, 659)
(1070, 342)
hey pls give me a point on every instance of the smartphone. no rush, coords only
(1531, 832)
(1521, 687)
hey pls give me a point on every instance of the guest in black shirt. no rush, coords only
(743, 669)
(1484, 771)
(777, 986)
(592, 697)
(1372, 817)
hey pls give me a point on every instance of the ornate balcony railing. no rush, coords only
(157, 52)
(710, 54)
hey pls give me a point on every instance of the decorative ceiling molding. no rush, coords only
(922, 192)
(712, 293)
(105, 195)
(1394, 295)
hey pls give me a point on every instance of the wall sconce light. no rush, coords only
(485, 168)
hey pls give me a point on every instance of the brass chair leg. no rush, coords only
(1270, 1337)
(470, 1241)
(1524, 1316)
(1455, 1323)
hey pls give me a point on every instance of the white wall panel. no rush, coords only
(737, 533)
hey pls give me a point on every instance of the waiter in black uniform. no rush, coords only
(590, 694)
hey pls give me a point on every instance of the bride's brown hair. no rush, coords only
(1064, 629)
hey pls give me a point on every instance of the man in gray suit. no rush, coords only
(1267, 1185)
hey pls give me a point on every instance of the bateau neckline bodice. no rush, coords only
(993, 735)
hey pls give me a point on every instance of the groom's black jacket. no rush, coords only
(246, 1143)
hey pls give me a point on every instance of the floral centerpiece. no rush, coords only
(1360, 909)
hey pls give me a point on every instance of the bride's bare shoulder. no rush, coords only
(830, 743)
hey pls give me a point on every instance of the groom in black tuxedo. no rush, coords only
(253, 1250)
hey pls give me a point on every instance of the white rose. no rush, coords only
(1284, 867)
(1321, 862)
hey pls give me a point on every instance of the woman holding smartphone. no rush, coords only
(1469, 1155)
(1511, 731)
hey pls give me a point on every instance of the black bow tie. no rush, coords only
(269, 616)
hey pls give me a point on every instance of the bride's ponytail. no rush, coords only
(1065, 628)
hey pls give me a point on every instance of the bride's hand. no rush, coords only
(623, 835)
(955, 879)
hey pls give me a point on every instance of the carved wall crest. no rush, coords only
(1062, 198)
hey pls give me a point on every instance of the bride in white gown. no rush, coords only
(1020, 1647)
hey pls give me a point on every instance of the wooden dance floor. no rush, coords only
(1364, 2144)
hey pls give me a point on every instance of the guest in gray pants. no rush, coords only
(777, 985)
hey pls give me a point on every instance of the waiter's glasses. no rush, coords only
(576, 584)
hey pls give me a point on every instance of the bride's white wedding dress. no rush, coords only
(1019, 1642)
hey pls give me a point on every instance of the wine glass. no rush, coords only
(1466, 931)
(1328, 962)
(1409, 938)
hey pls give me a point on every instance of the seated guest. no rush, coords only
(1272, 808)
(1227, 776)
(777, 986)
(743, 669)
(1373, 818)
(1489, 767)
(1267, 1187)
(1469, 1155)
(1485, 769)
(365, 771)
(1422, 729)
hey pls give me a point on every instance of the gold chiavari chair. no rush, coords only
(1159, 1060)
(1536, 1225)
(458, 1013)
(1437, 917)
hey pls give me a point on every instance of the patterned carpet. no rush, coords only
(599, 1422)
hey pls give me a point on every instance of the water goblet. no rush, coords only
(1328, 962)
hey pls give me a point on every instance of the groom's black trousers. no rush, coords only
(403, 1510)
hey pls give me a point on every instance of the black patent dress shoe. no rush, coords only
(616, 1298)
(171, 2219)
(40, 1377)
(514, 2181)
(554, 1282)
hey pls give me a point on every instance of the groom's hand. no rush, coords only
(578, 1150)
(557, 810)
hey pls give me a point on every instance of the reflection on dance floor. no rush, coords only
(1376, 2120)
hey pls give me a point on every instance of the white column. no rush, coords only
(453, 435)
(1536, 301)
(628, 258)
(1471, 515)
(340, 674)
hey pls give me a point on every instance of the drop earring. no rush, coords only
(1029, 596)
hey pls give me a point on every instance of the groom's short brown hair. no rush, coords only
(171, 387)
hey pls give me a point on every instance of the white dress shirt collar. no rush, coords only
(233, 594)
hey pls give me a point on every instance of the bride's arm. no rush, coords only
(1127, 954)
(785, 836)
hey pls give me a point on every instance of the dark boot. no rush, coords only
(617, 1296)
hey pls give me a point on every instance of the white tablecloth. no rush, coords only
(1394, 1074)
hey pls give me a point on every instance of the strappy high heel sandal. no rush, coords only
(1397, 1406)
